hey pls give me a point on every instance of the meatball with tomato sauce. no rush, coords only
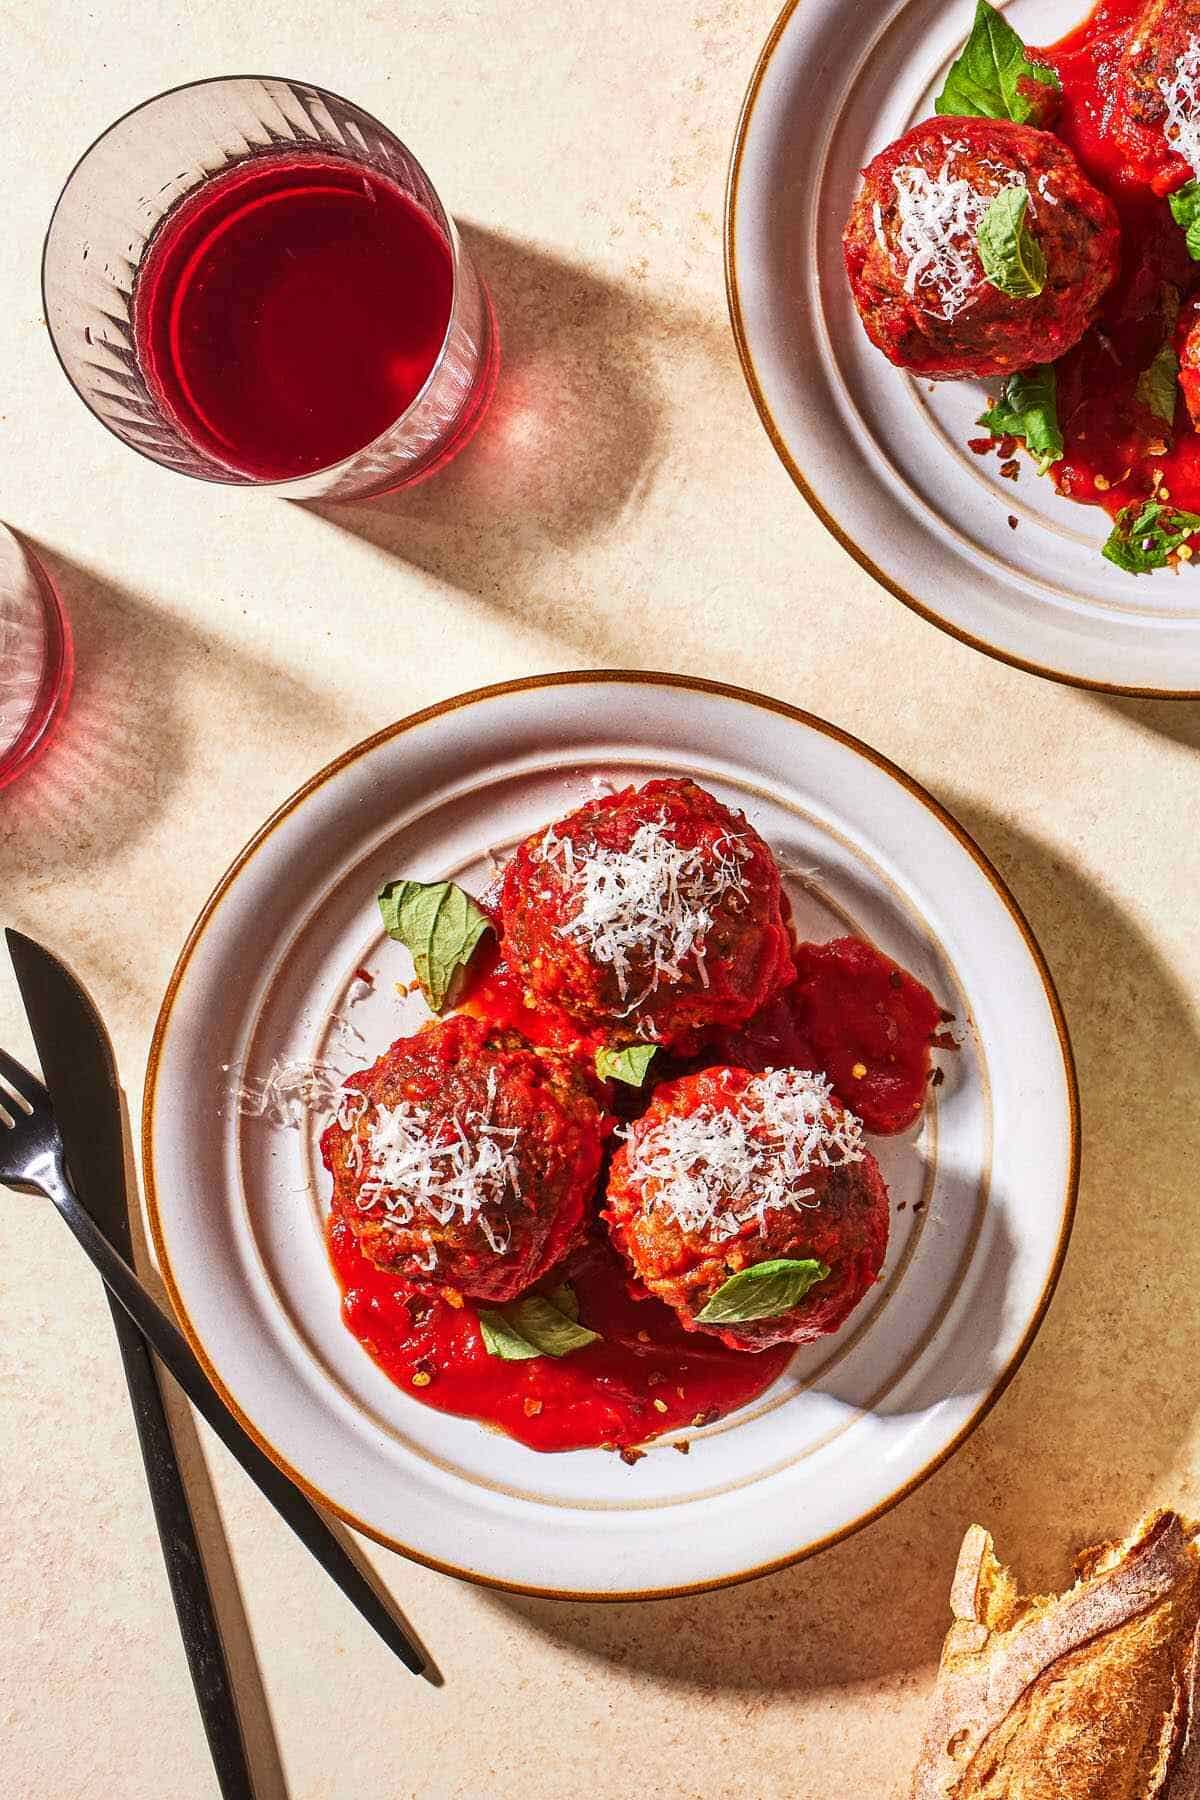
(466, 1160)
(726, 1172)
(1155, 108)
(650, 914)
(913, 258)
(1187, 343)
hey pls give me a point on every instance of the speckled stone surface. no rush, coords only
(622, 507)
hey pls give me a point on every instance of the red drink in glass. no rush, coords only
(290, 311)
(252, 281)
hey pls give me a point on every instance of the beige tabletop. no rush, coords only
(622, 507)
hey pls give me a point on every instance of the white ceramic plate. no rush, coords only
(987, 1183)
(883, 458)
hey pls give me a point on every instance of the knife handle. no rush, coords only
(185, 1567)
(173, 1351)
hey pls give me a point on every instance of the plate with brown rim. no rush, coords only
(983, 1189)
(1009, 567)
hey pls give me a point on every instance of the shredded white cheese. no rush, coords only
(654, 900)
(421, 1169)
(939, 220)
(720, 1168)
(1181, 92)
(290, 1091)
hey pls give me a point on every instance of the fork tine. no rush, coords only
(25, 1086)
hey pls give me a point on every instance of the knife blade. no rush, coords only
(50, 985)
(80, 1071)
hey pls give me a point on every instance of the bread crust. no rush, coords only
(1091, 1695)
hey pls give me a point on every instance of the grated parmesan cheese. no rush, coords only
(718, 1169)
(1181, 92)
(654, 900)
(939, 219)
(290, 1091)
(419, 1170)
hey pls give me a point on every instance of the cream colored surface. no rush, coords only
(622, 507)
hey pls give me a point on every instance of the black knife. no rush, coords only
(79, 1070)
(63, 1018)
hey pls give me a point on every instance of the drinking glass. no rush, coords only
(160, 156)
(36, 661)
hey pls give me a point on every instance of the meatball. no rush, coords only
(726, 1170)
(1187, 341)
(1155, 116)
(651, 914)
(911, 248)
(466, 1160)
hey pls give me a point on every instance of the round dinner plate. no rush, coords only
(881, 457)
(983, 1191)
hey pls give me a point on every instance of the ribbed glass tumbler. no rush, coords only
(258, 155)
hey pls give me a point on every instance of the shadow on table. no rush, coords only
(568, 446)
(124, 743)
(1176, 720)
(1075, 1450)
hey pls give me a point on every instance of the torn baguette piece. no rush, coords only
(1091, 1695)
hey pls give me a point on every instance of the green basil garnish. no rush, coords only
(1012, 258)
(1146, 536)
(538, 1325)
(628, 1065)
(1158, 386)
(1185, 208)
(440, 926)
(762, 1291)
(994, 77)
(1027, 408)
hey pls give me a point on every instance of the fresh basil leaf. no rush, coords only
(994, 77)
(538, 1325)
(1012, 258)
(1157, 386)
(1185, 208)
(1146, 536)
(762, 1291)
(1027, 408)
(440, 926)
(539, 1320)
(628, 1065)
(502, 1339)
(564, 1298)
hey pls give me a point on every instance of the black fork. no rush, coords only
(32, 1161)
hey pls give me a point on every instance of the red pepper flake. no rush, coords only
(532, 1408)
(936, 1077)
(1008, 446)
(981, 445)
(1013, 521)
(902, 1206)
(629, 1455)
(918, 1206)
(364, 975)
(705, 1418)
(683, 1446)
(1010, 469)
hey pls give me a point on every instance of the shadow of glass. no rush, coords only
(570, 441)
(1077, 1447)
(125, 742)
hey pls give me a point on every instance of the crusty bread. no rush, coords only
(1091, 1695)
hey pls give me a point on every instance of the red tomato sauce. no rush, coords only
(862, 1019)
(1117, 452)
(647, 1375)
(851, 1007)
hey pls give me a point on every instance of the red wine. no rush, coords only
(287, 313)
